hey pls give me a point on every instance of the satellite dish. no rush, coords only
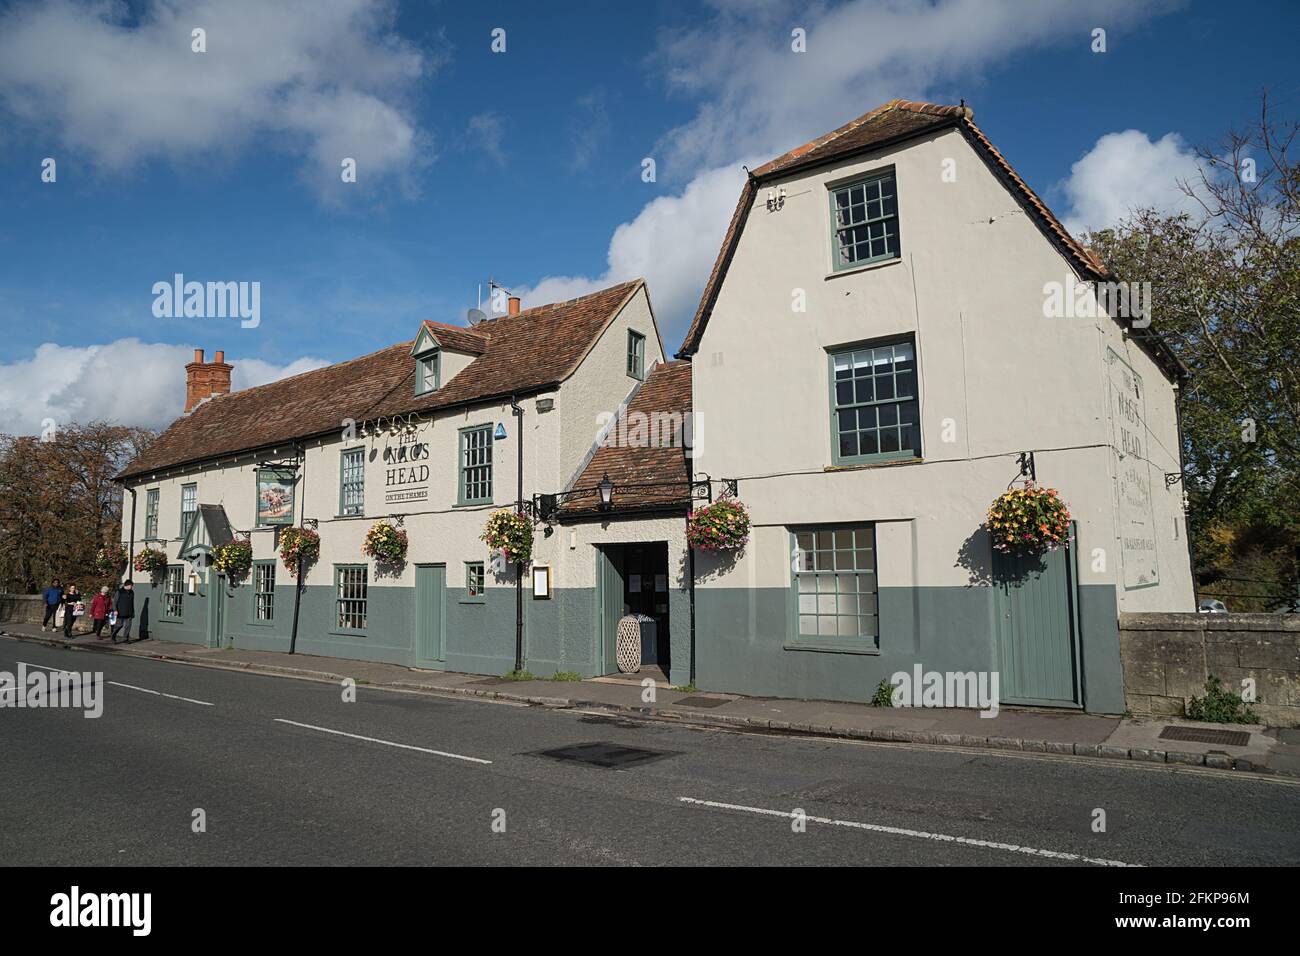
(475, 316)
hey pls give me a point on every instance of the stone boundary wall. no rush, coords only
(1167, 658)
(21, 608)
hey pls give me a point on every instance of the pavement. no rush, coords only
(1062, 733)
(190, 765)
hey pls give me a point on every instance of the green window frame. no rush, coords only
(351, 597)
(834, 589)
(864, 221)
(174, 593)
(151, 514)
(875, 405)
(263, 592)
(189, 507)
(635, 354)
(475, 582)
(474, 486)
(428, 372)
(352, 481)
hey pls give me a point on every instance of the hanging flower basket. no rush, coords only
(110, 559)
(298, 546)
(1029, 520)
(510, 533)
(385, 543)
(721, 526)
(234, 559)
(151, 561)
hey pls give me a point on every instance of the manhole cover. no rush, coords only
(1232, 738)
(606, 754)
(701, 702)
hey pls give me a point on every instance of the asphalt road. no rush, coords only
(269, 763)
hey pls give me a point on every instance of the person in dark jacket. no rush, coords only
(71, 598)
(53, 598)
(99, 611)
(125, 607)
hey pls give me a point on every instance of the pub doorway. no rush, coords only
(633, 579)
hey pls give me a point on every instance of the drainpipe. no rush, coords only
(130, 551)
(1182, 483)
(302, 565)
(519, 567)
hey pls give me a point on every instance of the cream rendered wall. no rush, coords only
(996, 376)
(601, 384)
(555, 443)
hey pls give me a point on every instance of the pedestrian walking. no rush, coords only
(73, 607)
(125, 608)
(53, 598)
(99, 609)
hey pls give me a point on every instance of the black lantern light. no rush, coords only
(606, 491)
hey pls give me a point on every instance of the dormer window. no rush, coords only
(426, 372)
(427, 353)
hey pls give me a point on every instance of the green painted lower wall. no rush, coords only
(743, 643)
(742, 636)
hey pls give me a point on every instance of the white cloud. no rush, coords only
(758, 98)
(1125, 172)
(325, 79)
(126, 381)
(672, 242)
(486, 136)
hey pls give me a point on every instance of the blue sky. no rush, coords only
(524, 165)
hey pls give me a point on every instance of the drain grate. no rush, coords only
(1200, 735)
(701, 702)
(606, 754)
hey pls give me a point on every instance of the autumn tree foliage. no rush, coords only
(59, 505)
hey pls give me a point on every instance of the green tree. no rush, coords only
(1225, 293)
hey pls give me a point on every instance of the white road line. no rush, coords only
(900, 831)
(387, 743)
(143, 690)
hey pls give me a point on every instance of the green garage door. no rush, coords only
(1037, 643)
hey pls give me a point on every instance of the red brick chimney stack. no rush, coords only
(205, 379)
(513, 303)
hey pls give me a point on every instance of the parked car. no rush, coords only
(1211, 606)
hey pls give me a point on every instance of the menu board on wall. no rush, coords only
(1134, 508)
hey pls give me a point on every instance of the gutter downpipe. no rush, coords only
(302, 565)
(519, 567)
(130, 551)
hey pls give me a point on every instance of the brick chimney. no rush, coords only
(205, 379)
(513, 304)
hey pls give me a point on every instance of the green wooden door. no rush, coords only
(609, 598)
(430, 613)
(1037, 638)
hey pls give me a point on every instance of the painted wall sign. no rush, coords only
(406, 468)
(1134, 508)
(274, 496)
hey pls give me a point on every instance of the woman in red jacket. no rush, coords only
(99, 611)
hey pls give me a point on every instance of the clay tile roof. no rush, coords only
(628, 460)
(886, 125)
(521, 354)
(457, 338)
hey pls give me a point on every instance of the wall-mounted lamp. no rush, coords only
(606, 491)
(194, 582)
